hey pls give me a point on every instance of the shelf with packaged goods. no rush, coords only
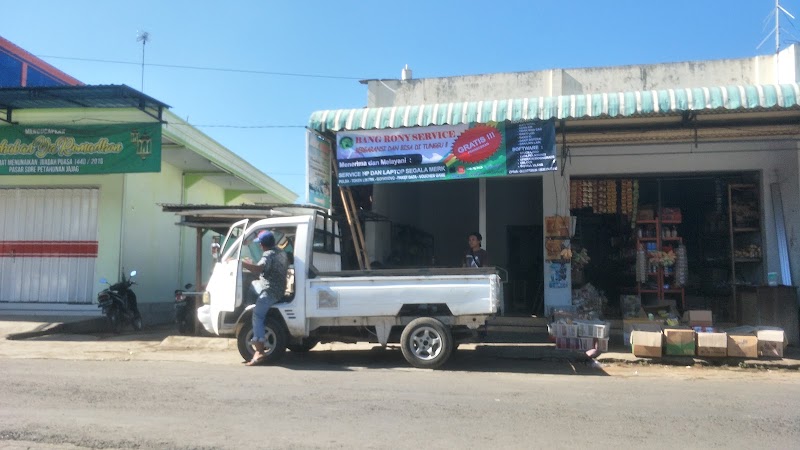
(651, 233)
(746, 244)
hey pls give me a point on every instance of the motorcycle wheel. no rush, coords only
(137, 322)
(114, 322)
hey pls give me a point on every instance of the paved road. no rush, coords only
(173, 397)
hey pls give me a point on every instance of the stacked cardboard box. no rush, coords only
(581, 334)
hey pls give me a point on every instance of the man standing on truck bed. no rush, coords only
(273, 266)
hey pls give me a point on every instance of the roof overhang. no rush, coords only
(220, 218)
(184, 146)
(55, 97)
(660, 112)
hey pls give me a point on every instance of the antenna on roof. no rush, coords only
(144, 38)
(777, 32)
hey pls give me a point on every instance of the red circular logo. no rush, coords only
(477, 144)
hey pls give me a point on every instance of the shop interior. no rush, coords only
(426, 224)
(668, 239)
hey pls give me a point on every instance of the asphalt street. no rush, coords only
(125, 392)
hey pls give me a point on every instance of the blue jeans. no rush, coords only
(263, 304)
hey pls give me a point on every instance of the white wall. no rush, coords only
(553, 82)
(201, 192)
(151, 243)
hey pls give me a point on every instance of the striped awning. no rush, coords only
(585, 106)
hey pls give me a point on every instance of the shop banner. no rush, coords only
(80, 150)
(318, 171)
(445, 152)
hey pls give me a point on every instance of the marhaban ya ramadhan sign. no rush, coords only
(445, 152)
(80, 150)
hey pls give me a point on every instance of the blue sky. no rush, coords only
(260, 116)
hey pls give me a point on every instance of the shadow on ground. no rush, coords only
(483, 359)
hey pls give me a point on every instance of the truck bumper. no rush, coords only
(204, 317)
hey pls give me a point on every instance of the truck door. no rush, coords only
(224, 286)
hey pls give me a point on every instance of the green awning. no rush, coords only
(585, 106)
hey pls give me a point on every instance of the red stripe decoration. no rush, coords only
(48, 249)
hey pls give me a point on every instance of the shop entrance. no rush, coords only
(635, 229)
(426, 224)
(525, 292)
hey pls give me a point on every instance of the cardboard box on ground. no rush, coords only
(770, 341)
(679, 341)
(742, 345)
(648, 344)
(712, 344)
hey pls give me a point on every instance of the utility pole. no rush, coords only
(144, 38)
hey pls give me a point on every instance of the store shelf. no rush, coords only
(655, 281)
(744, 210)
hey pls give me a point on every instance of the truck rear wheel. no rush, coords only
(275, 346)
(426, 343)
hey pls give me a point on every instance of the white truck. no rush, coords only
(427, 311)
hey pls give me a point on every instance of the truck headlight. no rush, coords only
(206, 298)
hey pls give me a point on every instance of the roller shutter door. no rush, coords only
(48, 245)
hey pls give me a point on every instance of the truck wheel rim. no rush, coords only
(426, 343)
(269, 345)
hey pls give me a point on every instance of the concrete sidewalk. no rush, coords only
(507, 345)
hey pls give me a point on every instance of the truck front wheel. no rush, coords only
(275, 346)
(426, 343)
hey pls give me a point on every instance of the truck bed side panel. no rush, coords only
(384, 296)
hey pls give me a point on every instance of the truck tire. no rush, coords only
(304, 346)
(426, 343)
(276, 335)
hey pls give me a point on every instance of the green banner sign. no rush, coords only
(80, 150)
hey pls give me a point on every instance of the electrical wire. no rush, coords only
(212, 69)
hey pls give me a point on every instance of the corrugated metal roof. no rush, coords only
(108, 96)
(585, 106)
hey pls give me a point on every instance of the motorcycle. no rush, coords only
(118, 303)
(185, 310)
